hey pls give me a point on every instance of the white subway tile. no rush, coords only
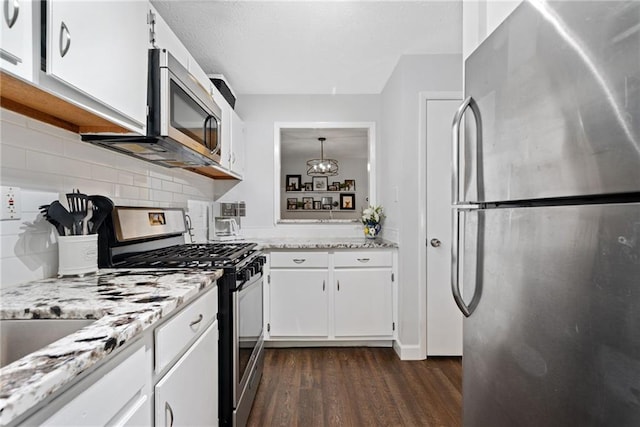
(180, 198)
(33, 179)
(127, 191)
(104, 173)
(125, 178)
(77, 149)
(11, 244)
(131, 164)
(162, 173)
(30, 139)
(11, 117)
(76, 168)
(43, 127)
(14, 157)
(171, 186)
(143, 193)
(141, 180)
(156, 183)
(20, 270)
(160, 196)
(89, 186)
(32, 199)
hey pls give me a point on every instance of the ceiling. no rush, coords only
(311, 47)
(341, 143)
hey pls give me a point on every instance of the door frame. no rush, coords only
(423, 97)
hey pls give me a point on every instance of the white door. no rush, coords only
(444, 320)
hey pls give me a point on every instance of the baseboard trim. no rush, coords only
(407, 352)
(327, 343)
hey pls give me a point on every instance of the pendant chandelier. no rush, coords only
(322, 166)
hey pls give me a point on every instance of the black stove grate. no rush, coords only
(196, 255)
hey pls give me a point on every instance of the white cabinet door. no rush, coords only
(225, 149)
(16, 41)
(298, 303)
(237, 144)
(120, 397)
(188, 394)
(100, 49)
(363, 303)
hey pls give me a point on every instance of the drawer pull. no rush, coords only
(338, 284)
(363, 259)
(299, 260)
(169, 419)
(198, 320)
(323, 285)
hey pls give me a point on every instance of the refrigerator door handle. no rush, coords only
(455, 138)
(455, 252)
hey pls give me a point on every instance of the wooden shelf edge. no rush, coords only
(215, 173)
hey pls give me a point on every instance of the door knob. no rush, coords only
(435, 243)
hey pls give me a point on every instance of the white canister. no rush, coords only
(77, 255)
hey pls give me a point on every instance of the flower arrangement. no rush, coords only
(371, 218)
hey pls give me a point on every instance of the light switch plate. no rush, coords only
(11, 206)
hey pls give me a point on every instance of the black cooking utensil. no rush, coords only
(78, 208)
(58, 213)
(44, 210)
(102, 207)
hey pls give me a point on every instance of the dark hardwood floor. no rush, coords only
(356, 387)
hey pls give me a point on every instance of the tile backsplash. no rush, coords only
(46, 162)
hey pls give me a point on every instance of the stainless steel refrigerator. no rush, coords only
(546, 190)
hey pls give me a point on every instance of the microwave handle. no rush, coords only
(216, 149)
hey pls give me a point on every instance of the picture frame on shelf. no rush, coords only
(350, 184)
(326, 207)
(333, 188)
(320, 183)
(294, 182)
(308, 186)
(337, 184)
(292, 203)
(327, 201)
(348, 201)
(317, 205)
(307, 203)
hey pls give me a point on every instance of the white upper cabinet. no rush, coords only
(237, 144)
(100, 49)
(16, 41)
(480, 18)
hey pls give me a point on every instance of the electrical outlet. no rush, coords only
(11, 207)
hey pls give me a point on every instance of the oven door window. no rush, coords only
(190, 119)
(249, 322)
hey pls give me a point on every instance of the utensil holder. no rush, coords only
(77, 255)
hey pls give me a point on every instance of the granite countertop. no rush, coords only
(323, 243)
(124, 304)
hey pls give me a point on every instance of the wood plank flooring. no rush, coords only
(359, 386)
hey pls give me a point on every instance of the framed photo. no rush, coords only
(320, 183)
(327, 201)
(294, 182)
(350, 184)
(317, 205)
(336, 183)
(292, 203)
(348, 201)
(308, 186)
(326, 207)
(307, 203)
(333, 188)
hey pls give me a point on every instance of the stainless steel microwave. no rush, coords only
(183, 120)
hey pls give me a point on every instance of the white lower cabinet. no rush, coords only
(299, 303)
(121, 397)
(188, 394)
(330, 295)
(362, 304)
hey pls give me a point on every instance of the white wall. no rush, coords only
(480, 18)
(260, 113)
(46, 162)
(399, 168)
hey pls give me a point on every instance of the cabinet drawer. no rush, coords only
(368, 258)
(172, 337)
(299, 259)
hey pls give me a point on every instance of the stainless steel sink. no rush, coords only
(21, 337)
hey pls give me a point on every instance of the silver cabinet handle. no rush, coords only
(338, 284)
(16, 10)
(435, 243)
(167, 409)
(9, 57)
(323, 285)
(198, 320)
(363, 259)
(65, 39)
(455, 283)
(299, 260)
(455, 134)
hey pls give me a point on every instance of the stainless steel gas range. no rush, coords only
(135, 237)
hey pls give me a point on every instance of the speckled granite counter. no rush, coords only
(323, 243)
(124, 302)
